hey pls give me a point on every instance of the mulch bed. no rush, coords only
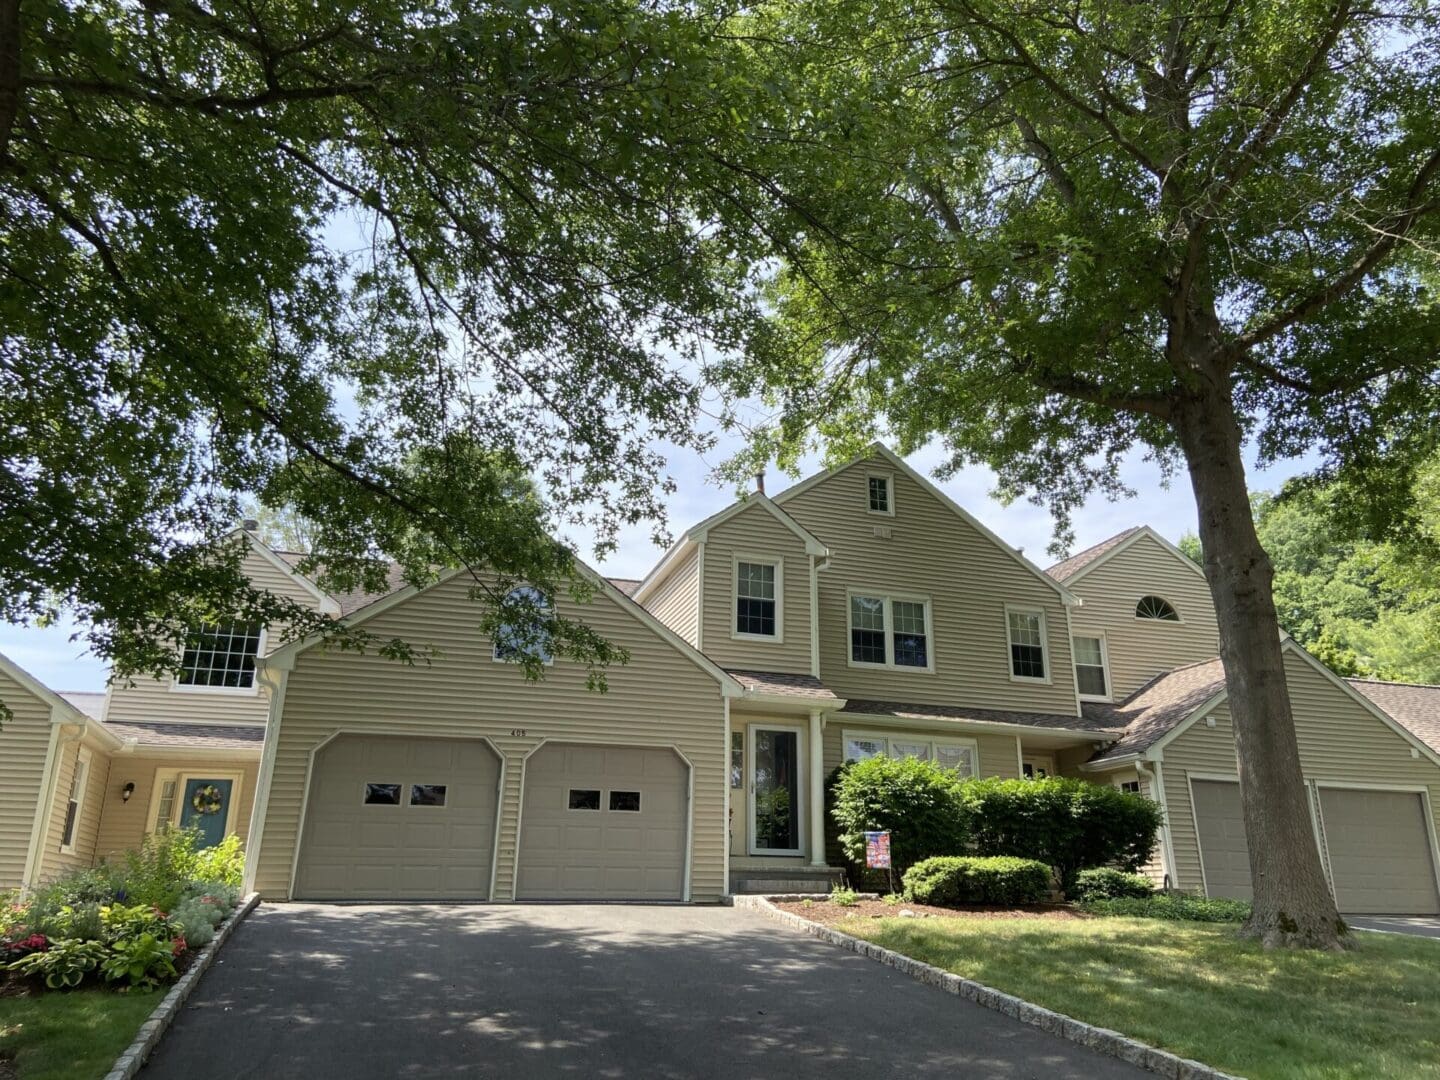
(823, 911)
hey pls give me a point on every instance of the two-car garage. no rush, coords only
(414, 818)
(1376, 843)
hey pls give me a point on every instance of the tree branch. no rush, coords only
(9, 74)
(1048, 161)
(1074, 386)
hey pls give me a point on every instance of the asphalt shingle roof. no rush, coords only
(89, 702)
(197, 736)
(625, 585)
(907, 711)
(783, 683)
(1069, 567)
(1414, 706)
(1153, 710)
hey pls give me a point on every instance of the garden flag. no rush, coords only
(877, 850)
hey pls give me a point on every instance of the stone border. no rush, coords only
(134, 1055)
(1161, 1062)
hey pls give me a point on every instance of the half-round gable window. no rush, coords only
(1156, 607)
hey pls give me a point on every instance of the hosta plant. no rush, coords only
(62, 964)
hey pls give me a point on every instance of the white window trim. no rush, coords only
(1179, 619)
(889, 598)
(778, 562)
(79, 786)
(495, 656)
(1020, 609)
(582, 809)
(889, 737)
(177, 687)
(1109, 694)
(889, 478)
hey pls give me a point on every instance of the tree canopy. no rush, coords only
(424, 273)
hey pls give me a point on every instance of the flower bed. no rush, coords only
(131, 923)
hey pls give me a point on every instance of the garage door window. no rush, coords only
(427, 794)
(584, 798)
(625, 800)
(382, 794)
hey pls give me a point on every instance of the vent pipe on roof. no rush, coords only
(250, 525)
(760, 482)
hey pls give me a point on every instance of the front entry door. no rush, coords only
(776, 803)
(206, 807)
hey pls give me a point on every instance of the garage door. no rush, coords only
(603, 823)
(391, 818)
(1221, 829)
(1379, 847)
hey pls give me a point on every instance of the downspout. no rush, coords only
(1151, 771)
(276, 679)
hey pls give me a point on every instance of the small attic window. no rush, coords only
(1156, 607)
(879, 500)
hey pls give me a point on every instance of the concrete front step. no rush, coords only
(784, 879)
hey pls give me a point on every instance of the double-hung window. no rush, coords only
(758, 589)
(961, 755)
(890, 631)
(1027, 645)
(221, 656)
(1091, 677)
(73, 805)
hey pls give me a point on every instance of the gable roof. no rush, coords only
(61, 711)
(328, 604)
(1082, 562)
(146, 733)
(354, 599)
(1158, 707)
(1415, 705)
(283, 658)
(696, 535)
(900, 465)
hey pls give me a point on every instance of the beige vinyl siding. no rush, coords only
(159, 699)
(1340, 741)
(755, 533)
(676, 601)
(931, 551)
(24, 742)
(53, 861)
(662, 698)
(124, 824)
(1140, 649)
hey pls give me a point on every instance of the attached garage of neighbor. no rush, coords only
(1376, 842)
(603, 822)
(391, 818)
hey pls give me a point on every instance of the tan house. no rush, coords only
(860, 612)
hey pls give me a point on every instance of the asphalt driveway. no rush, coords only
(1416, 925)
(319, 991)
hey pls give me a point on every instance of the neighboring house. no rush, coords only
(84, 775)
(860, 612)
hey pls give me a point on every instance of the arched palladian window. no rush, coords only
(1156, 607)
(512, 640)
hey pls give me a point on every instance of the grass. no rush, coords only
(71, 1035)
(1200, 991)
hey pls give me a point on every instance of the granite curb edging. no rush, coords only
(1161, 1062)
(134, 1055)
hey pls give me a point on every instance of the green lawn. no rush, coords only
(71, 1035)
(1199, 991)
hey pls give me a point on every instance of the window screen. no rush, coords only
(867, 629)
(755, 598)
(1090, 666)
(1027, 645)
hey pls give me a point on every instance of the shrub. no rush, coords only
(143, 961)
(62, 964)
(80, 921)
(158, 871)
(962, 879)
(1070, 825)
(844, 897)
(1107, 883)
(1174, 908)
(917, 801)
(223, 864)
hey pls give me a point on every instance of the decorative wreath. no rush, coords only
(206, 800)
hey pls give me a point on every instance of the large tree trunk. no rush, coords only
(1293, 905)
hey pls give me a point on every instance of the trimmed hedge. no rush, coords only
(1070, 825)
(1173, 908)
(918, 801)
(964, 879)
(1108, 883)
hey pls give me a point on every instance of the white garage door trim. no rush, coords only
(369, 731)
(1404, 789)
(566, 740)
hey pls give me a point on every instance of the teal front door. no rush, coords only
(206, 806)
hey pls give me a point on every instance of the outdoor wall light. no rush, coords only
(127, 791)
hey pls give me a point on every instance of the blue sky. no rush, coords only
(63, 664)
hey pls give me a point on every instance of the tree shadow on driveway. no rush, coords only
(616, 991)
